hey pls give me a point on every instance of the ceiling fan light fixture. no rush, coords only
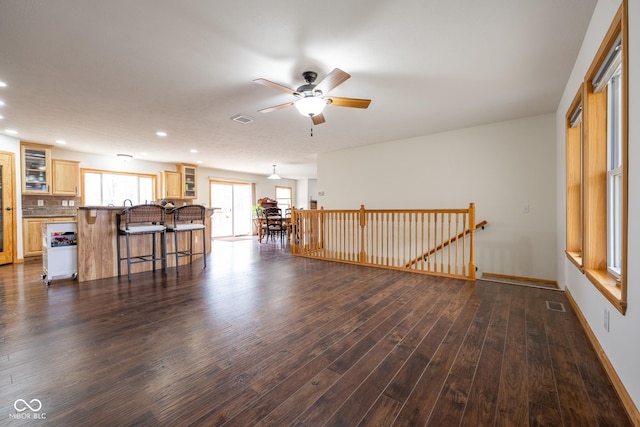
(274, 175)
(310, 105)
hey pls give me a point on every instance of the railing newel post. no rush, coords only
(363, 223)
(472, 227)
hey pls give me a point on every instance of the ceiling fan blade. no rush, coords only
(348, 102)
(274, 85)
(332, 80)
(275, 107)
(318, 119)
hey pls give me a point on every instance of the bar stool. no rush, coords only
(188, 218)
(140, 220)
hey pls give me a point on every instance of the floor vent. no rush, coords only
(555, 306)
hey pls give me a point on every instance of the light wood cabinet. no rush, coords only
(66, 177)
(171, 185)
(189, 180)
(36, 168)
(32, 233)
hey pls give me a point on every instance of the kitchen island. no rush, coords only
(97, 244)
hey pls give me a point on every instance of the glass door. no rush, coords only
(6, 208)
(233, 216)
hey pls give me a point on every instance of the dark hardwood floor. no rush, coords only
(263, 338)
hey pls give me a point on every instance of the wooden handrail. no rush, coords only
(424, 256)
(390, 238)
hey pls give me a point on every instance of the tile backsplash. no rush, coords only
(46, 205)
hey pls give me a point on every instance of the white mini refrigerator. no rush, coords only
(59, 251)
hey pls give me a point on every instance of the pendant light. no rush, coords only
(274, 175)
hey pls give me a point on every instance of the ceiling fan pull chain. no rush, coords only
(312, 131)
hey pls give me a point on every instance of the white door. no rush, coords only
(233, 216)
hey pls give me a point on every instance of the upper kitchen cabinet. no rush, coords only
(171, 185)
(36, 169)
(66, 177)
(189, 180)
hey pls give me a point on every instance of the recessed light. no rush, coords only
(144, 153)
(1, 102)
(193, 150)
(3, 84)
(61, 141)
(1, 117)
(161, 133)
(199, 162)
(11, 131)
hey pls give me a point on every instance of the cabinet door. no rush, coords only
(32, 231)
(189, 181)
(171, 185)
(36, 169)
(66, 177)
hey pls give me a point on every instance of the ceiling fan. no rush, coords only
(312, 98)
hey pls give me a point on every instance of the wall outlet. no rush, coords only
(606, 320)
(40, 202)
(64, 203)
(72, 203)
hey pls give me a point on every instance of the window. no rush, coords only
(103, 188)
(614, 174)
(574, 158)
(596, 188)
(283, 196)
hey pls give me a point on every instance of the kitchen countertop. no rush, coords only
(108, 208)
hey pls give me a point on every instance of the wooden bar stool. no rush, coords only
(141, 220)
(188, 218)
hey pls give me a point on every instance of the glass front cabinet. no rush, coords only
(36, 169)
(189, 181)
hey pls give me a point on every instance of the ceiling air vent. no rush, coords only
(240, 118)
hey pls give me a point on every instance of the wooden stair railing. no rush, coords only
(390, 238)
(440, 247)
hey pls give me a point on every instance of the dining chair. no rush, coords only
(273, 219)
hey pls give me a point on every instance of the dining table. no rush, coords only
(262, 221)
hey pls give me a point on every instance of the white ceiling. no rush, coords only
(105, 75)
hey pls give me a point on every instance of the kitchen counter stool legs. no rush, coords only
(142, 220)
(188, 218)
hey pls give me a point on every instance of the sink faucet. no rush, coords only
(125, 202)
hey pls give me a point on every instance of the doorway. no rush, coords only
(233, 216)
(7, 202)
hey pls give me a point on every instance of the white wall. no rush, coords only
(620, 344)
(306, 191)
(302, 194)
(264, 187)
(502, 168)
